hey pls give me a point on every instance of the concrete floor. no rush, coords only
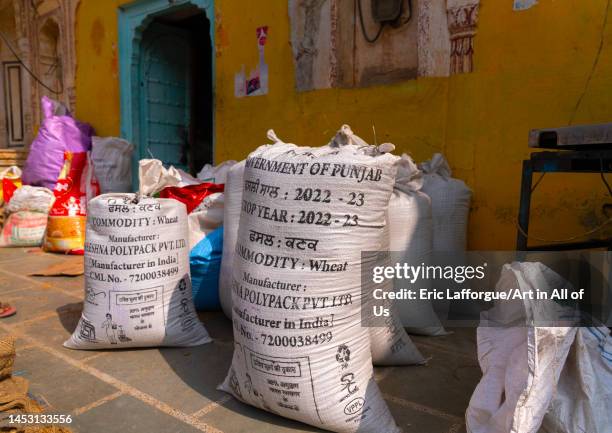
(174, 390)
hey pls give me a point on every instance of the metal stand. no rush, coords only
(559, 162)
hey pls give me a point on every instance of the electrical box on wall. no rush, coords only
(386, 10)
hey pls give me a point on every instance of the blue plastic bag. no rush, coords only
(205, 264)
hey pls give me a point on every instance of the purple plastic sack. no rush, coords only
(59, 132)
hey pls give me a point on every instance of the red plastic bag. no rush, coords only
(10, 180)
(191, 195)
(9, 186)
(75, 186)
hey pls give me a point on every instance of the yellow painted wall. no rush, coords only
(531, 69)
(97, 70)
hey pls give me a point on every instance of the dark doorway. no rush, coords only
(176, 99)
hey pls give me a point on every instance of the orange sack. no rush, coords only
(75, 186)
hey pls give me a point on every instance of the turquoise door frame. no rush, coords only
(133, 20)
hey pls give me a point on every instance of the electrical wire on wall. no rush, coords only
(363, 30)
(29, 71)
(400, 21)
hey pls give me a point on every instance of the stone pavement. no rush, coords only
(174, 389)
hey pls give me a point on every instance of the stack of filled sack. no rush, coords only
(66, 167)
(276, 241)
(296, 220)
(204, 203)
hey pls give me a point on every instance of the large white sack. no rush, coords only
(23, 229)
(26, 217)
(216, 174)
(390, 345)
(450, 205)
(112, 161)
(231, 218)
(205, 218)
(300, 350)
(583, 401)
(411, 233)
(153, 176)
(234, 183)
(521, 365)
(389, 342)
(31, 199)
(137, 281)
